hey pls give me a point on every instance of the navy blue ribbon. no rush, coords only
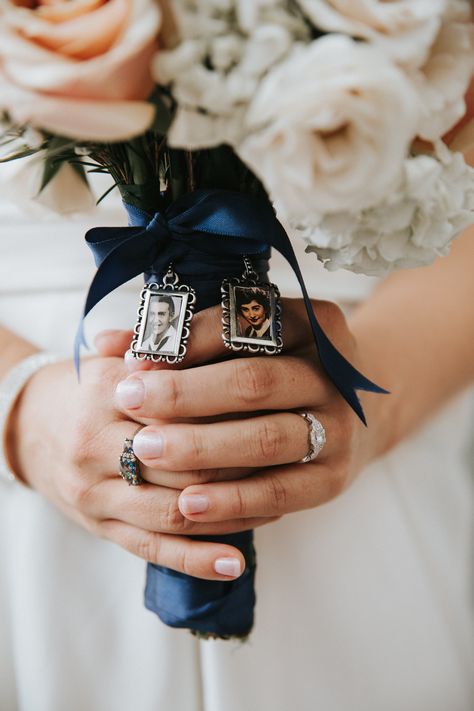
(221, 224)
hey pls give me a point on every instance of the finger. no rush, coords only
(134, 364)
(201, 559)
(180, 480)
(239, 385)
(101, 457)
(152, 508)
(113, 342)
(206, 344)
(253, 442)
(272, 492)
(106, 466)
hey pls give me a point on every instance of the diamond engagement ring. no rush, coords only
(129, 464)
(316, 436)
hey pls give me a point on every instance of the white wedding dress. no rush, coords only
(363, 604)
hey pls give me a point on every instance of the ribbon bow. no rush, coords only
(220, 223)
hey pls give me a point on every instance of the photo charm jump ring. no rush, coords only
(251, 314)
(129, 465)
(316, 436)
(164, 316)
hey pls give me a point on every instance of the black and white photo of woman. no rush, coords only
(254, 312)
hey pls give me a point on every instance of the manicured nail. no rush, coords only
(148, 444)
(193, 503)
(228, 566)
(130, 393)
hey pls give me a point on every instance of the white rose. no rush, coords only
(444, 78)
(432, 40)
(329, 128)
(410, 228)
(403, 29)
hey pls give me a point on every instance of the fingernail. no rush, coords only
(148, 444)
(193, 503)
(130, 393)
(228, 566)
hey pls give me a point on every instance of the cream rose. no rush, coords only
(443, 80)
(329, 128)
(403, 29)
(79, 68)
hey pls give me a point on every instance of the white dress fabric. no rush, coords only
(363, 604)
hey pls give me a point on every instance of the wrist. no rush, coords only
(12, 387)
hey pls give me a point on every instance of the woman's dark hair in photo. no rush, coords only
(248, 294)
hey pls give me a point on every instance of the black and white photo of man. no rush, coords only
(160, 334)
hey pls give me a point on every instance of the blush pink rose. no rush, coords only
(79, 68)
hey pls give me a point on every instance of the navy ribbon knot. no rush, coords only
(222, 225)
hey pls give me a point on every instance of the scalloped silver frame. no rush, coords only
(184, 292)
(238, 343)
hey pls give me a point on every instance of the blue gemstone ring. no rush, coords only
(129, 464)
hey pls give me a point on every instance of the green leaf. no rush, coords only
(147, 197)
(16, 155)
(59, 150)
(79, 169)
(164, 112)
(138, 163)
(50, 169)
(104, 195)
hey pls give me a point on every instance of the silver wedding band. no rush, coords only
(316, 436)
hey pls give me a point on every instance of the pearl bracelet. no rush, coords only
(10, 388)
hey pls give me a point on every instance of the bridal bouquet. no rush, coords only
(220, 123)
(337, 108)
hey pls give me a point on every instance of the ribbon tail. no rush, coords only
(342, 374)
(345, 377)
(79, 341)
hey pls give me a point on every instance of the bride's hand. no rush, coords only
(256, 395)
(65, 440)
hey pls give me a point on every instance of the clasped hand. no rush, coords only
(219, 445)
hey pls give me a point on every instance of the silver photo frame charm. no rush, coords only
(164, 316)
(251, 314)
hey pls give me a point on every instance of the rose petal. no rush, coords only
(404, 29)
(83, 120)
(85, 36)
(60, 11)
(94, 120)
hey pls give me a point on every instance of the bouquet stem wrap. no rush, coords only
(204, 235)
(209, 608)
